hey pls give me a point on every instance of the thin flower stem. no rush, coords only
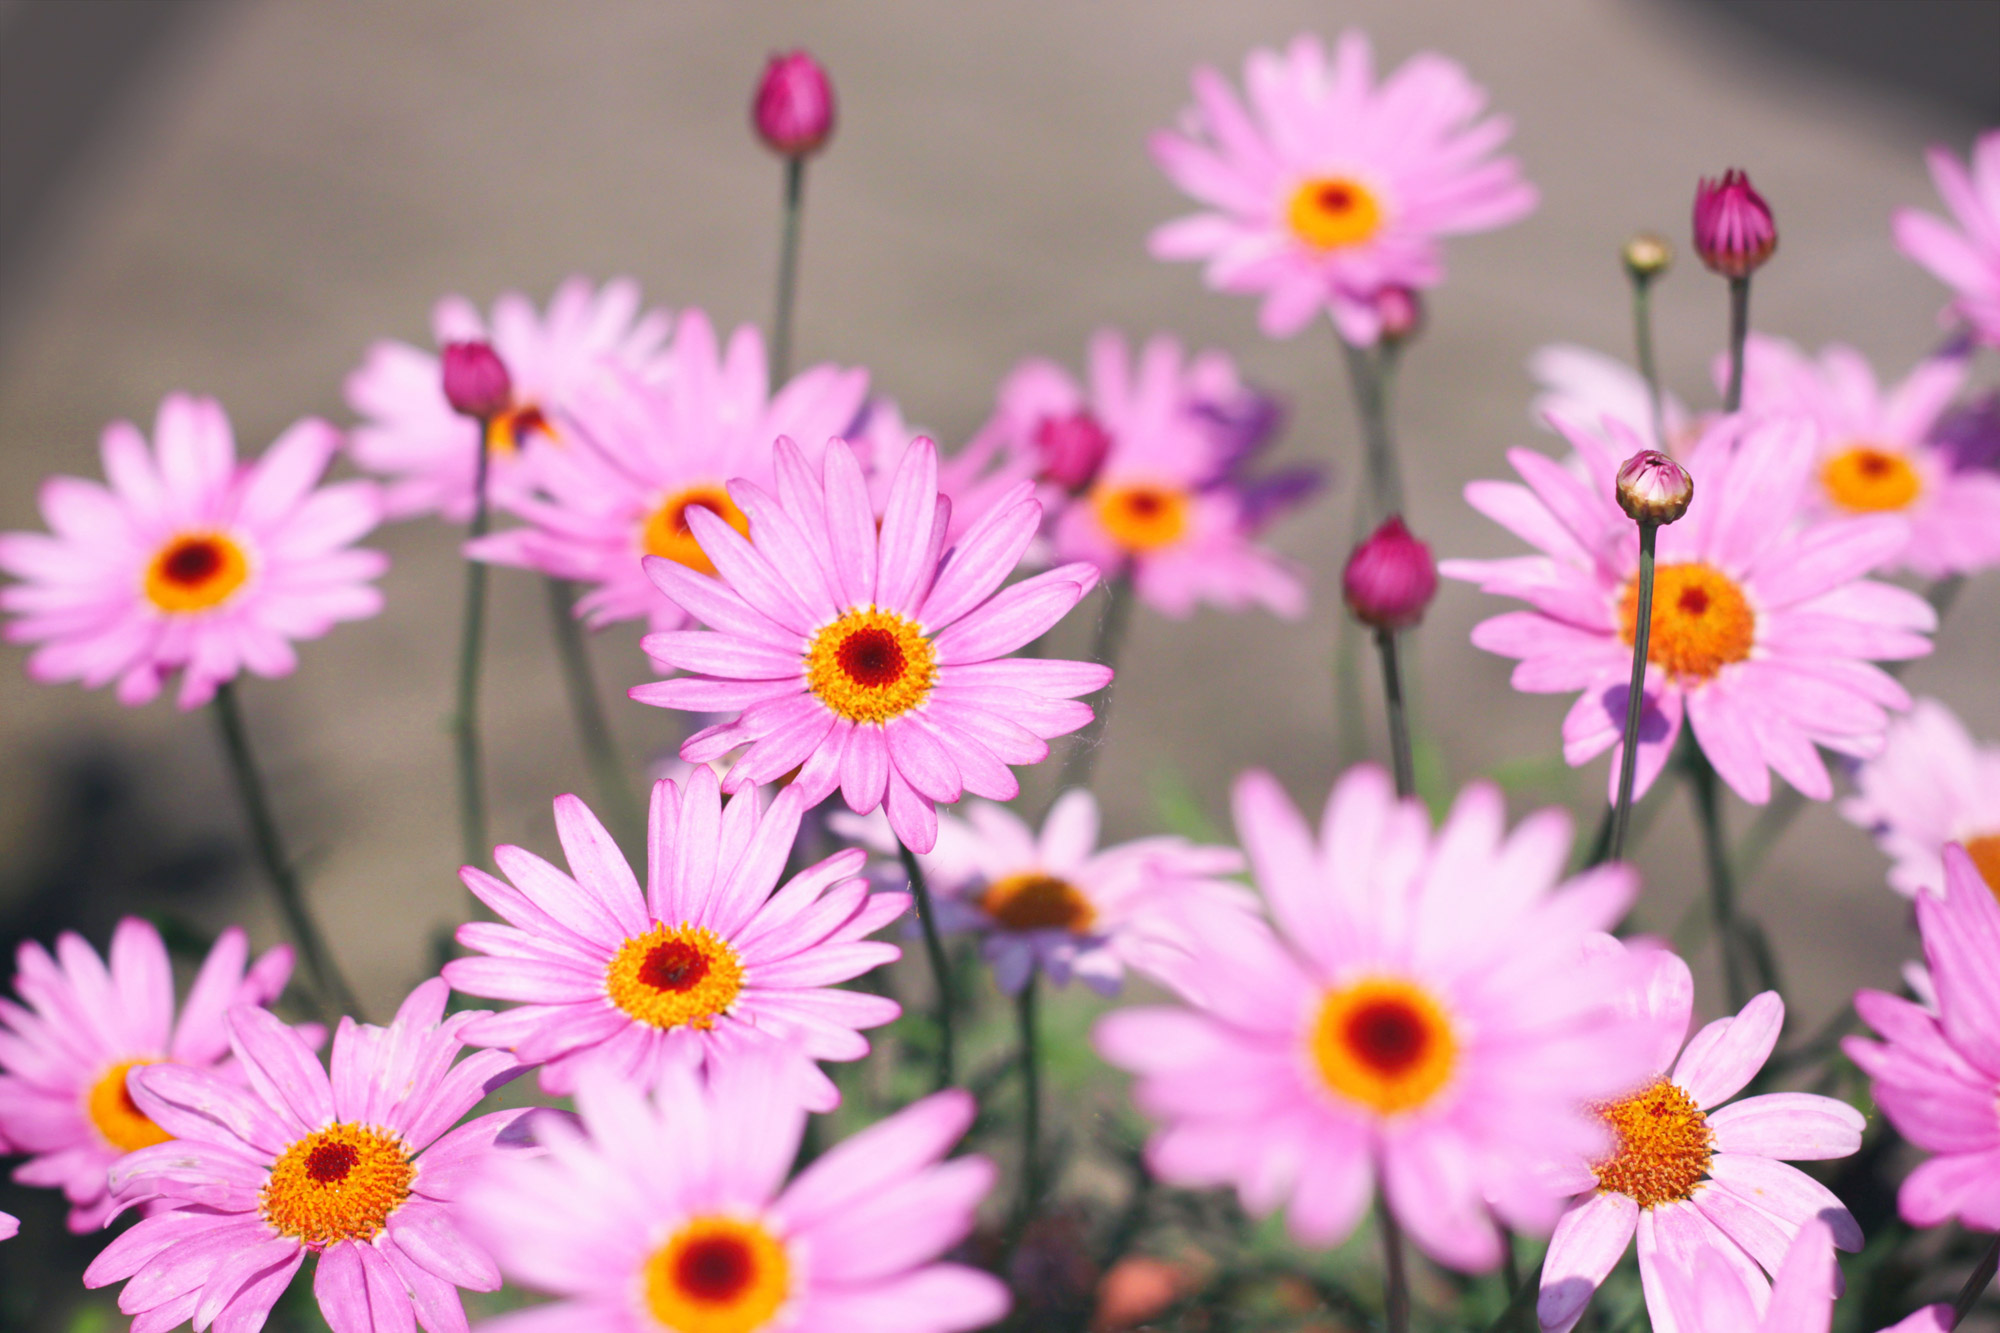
(1399, 716)
(1642, 337)
(1372, 375)
(1739, 333)
(1721, 878)
(788, 271)
(607, 769)
(1081, 759)
(1520, 1312)
(1395, 1278)
(1510, 1263)
(940, 966)
(1976, 1284)
(1642, 633)
(1031, 1094)
(330, 989)
(465, 722)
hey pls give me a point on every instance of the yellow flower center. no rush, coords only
(717, 1275)
(114, 1113)
(1384, 1042)
(508, 432)
(675, 976)
(338, 1183)
(196, 571)
(1664, 1144)
(665, 532)
(871, 665)
(1701, 620)
(1142, 517)
(1038, 902)
(1332, 212)
(1985, 853)
(1867, 480)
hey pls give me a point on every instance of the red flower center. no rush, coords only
(330, 1162)
(675, 965)
(716, 1268)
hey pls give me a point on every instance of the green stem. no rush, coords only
(788, 272)
(1739, 333)
(465, 722)
(1399, 717)
(1642, 633)
(1721, 879)
(1510, 1263)
(1976, 1284)
(1642, 337)
(1395, 1278)
(940, 965)
(1031, 1095)
(1081, 759)
(1520, 1311)
(330, 989)
(607, 770)
(1371, 375)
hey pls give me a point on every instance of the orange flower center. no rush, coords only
(508, 432)
(116, 1116)
(1384, 1042)
(1985, 853)
(1701, 620)
(1142, 517)
(717, 1275)
(1333, 212)
(196, 571)
(1038, 902)
(1664, 1144)
(665, 532)
(871, 665)
(338, 1183)
(675, 976)
(1866, 480)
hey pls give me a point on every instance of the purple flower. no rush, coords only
(1390, 578)
(1733, 230)
(793, 110)
(476, 382)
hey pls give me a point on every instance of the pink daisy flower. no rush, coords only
(674, 1213)
(707, 965)
(1930, 785)
(1426, 1015)
(428, 453)
(1688, 1175)
(1709, 1296)
(1329, 188)
(1877, 453)
(1579, 384)
(643, 452)
(362, 1169)
(1938, 1076)
(188, 562)
(871, 656)
(1967, 257)
(1763, 628)
(66, 1051)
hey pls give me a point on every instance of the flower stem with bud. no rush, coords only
(788, 271)
(947, 1063)
(1646, 258)
(1635, 696)
(465, 721)
(1739, 334)
(1399, 720)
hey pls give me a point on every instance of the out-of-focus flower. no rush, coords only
(638, 454)
(363, 1169)
(1330, 187)
(675, 1213)
(1689, 1175)
(793, 109)
(1733, 230)
(1390, 578)
(1138, 1289)
(428, 454)
(10, 1226)
(83, 1027)
(870, 655)
(189, 562)
(1967, 257)
(1652, 488)
(476, 382)
(1969, 435)
(1763, 631)
(974, 479)
(1707, 1295)
(1399, 313)
(1584, 386)
(1876, 454)
(1429, 1016)
(1930, 785)
(708, 964)
(1938, 1076)
(1647, 256)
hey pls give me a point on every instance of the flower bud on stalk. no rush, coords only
(1390, 579)
(1733, 230)
(476, 382)
(1653, 488)
(793, 109)
(1647, 256)
(1071, 449)
(1401, 311)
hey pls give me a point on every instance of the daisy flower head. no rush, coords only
(1329, 186)
(1966, 257)
(1580, 384)
(640, 452)
(428, 455)
(1426, 1014)
(1688, 1175)
(673, 1212)
(362, 1169)
(189, 562)
(1764, 630)
(706, 965)
(82, 1026)
(1932, 784)
(1708, 1295)
(870, 655)
(1936, 1071)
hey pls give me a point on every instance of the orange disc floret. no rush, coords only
(1664, 1146)
(871, 665)
(1701, 620)
(1142, 517)
(675, 976)
(196, 571)
(1867, 480)
(665, 532)
(1985, 853)
(116, 1116)
(1384, 1042)
(1038, 902)
(717, 1275)
(338, 1183)
(1333, 212)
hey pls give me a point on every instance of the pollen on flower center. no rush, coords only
(1701, 620)
(871, 665)
(1985, 853)
(675, 976)
(509, 432)
(1664, 1144)
(717, 1275)
(196, 571)
(116, 1116)
(665, 532)
(1142, 517)
(1866, 480)
(1332, 212)
(338, 1183)
(1384, 1042)
(1036, 901)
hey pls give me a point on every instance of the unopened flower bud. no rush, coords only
(793, 110)
(476, 382)
(1733, 230)
(1401, 312)
(1072, 449)
(1390, 579)
(1653, 488)
(1647, 256)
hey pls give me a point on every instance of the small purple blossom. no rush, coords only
(793, 110)
(476, 382)
(1733, 230)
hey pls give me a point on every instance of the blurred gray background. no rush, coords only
(237, 196)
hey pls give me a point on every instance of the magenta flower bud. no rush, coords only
(1072, 449)
(1653, 488)
(1733, 230)
(793, 111)
(1401, 311)
(1390, 578)
(476, 382)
